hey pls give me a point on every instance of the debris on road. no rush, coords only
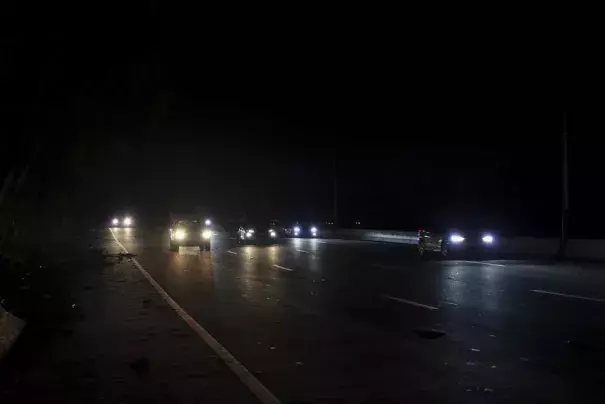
(429, 333)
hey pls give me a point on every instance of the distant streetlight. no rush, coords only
(564, 194)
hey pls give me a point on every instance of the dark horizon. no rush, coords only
(138, 123)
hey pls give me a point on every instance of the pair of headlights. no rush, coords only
(181, 234)
(313, 230)
(126, 222)
(486, 239)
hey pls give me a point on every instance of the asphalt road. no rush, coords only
(344, 321)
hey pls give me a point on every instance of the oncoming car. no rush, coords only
(303, 230)
(190, 233)
(124, 221)
(478, 242)
(248, 233)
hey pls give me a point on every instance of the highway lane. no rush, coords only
(342, 320)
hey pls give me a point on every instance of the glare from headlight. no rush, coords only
(488, 239)
(296, 229)
(249, 234)
(272, 233)
(313, 229)
(206, 234)
(208, 222)
(115, 221)
(456, 238)
(180, 234)
(127, 221)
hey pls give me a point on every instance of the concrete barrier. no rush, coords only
(530, 246)
(386, 236)
(10, 328)
(518, 246)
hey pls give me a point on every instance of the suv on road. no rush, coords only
(477, 242)
(186, 233)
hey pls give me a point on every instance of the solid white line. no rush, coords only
(256, 387)
(302, 251)
(485, 263)
(231, 252)
(284, 268)
(592, 299)
(400, 300)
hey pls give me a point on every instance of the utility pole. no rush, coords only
(565, 194)
(334, 193)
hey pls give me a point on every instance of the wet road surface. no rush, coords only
(345, 321)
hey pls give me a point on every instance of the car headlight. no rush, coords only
(208, 222)
(272, 233)
(487, 239)
(127, 221)
(206, 234)
(313, 229)
(180, 234)
(249, 234)
(296, 229)
(115, 221)
(456, 238)
(250, 230)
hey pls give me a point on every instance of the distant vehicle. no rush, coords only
(190, 233)
(249, 233)
(122, 221)
(457, 241)
(306, 230)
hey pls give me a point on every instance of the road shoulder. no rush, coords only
(123, 343)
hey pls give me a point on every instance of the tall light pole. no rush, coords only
(334, 192)
(565, 193)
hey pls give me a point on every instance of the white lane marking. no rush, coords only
(284, 268)
(302, 251)
(400, 300)
(485, 263)
(256, 387)
(450, 303)
(546, 292)
(231, 252)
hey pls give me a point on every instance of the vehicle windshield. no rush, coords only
(188, 224)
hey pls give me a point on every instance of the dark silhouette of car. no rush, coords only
(190, 233)
(457, 242)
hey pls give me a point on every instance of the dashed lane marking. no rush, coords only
(232, 252)
(284, 268)
(485, 263)
(546, 292)
(263, 394)
(302, 251)
(410, 302)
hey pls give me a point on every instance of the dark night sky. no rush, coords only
(151, 113)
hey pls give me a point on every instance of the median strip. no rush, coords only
(410, 302)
